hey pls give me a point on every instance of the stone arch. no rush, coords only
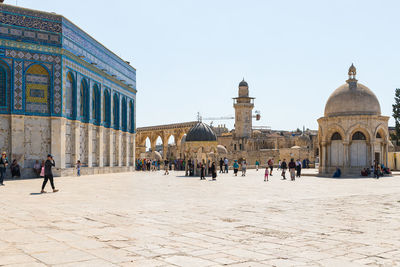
(84, 103)
(37, 89)
(358, 128)
(382, 130)
(333, 128)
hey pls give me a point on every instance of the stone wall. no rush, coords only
(5, 136)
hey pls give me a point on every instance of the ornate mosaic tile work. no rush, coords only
(51, 60)
(18, 67)
(32, 13)
(30, 35)
(29, 22)
(78, 42)
(37, 83)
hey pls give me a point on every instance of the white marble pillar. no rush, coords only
(17, 139)
(100, 144)
(89, 145)
(119, 144)
(111, 150)
(58, 141)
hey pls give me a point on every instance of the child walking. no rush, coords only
(266, 174)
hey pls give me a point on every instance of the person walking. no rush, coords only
(221, 166)
(266, 174)
(298, 168)
(292, 169)
(271, 165)
(257, 165)
(3, 167)
(202, 172)
(226, 162)
(78, 168)
(279, 164)
(213, 171)
(235, 167)
(48, 174)
(284, 167)
(244, 168)
(166, 167)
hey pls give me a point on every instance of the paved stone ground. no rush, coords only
(147, 219)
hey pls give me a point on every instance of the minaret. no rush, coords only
(243, 111)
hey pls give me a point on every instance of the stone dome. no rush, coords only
(359, 100)
(221, 149)
(200, 132)
(352, 98)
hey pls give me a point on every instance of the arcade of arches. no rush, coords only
(177, 130)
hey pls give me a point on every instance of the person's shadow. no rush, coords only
(35, 194)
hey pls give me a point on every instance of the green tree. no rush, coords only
(396, 113)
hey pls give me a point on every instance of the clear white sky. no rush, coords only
(190, 55)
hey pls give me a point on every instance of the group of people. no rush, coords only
(376, 170)
(41, 170)
(14, 167)
(156, 164)
(293, 166)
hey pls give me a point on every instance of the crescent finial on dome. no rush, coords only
(352, 81)
(352, 70)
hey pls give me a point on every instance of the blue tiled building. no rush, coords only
(62, 92)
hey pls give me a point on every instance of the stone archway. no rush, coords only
(178, 130)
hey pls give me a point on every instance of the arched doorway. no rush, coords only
(336, 150)
(358, 150)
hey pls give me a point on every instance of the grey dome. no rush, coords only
(357, 100)
(243, 83)
(200, 132)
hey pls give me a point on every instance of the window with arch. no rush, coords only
(124, 114)
(107, 108)
(37, 89)
(3, 86)
(378, 135)
(132, 116)
(359, 136)
(69, 95)
(336, 136)
(84, 108)
(116, 111)
(96, 104)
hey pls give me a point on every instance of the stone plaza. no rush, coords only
(148, 219)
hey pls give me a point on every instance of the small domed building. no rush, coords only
(200, 146)
(353, 134)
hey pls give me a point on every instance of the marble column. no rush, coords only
(111, 143)
(76, 148)
(58, 141)
(346, 161)
(89, 145)
(119, 144)
(100, 145)
(17, 139)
